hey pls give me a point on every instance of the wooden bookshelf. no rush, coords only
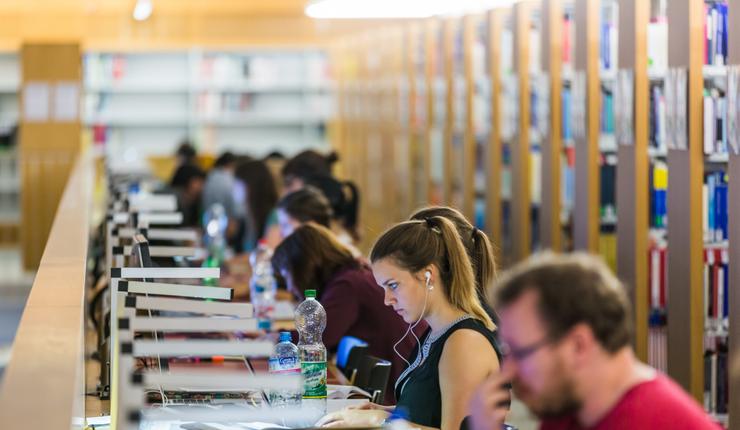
(521, 224)
(467, 176)
(733, 207)
(448, 165)
(494, 209)
(632, 171)
(685, 244)
(551, 144)
(586, 214)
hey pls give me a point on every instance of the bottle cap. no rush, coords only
(285, 336)
(310, 293)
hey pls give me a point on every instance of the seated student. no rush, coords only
(307, 205)
(260, 198)
(311, 258)
(479, 250)
(567, 322)
(219, 188)
(188, 183)
(344, 199)
(426, 274)
(305, 164)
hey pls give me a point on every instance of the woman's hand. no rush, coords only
(367, 406)
(354, 418)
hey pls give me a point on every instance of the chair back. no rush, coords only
(372, 376)
(349, 353)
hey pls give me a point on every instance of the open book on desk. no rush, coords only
(340, 392)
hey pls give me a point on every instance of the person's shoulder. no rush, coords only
(661, 401)
(567, 422)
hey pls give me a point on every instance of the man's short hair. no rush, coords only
(572, 289)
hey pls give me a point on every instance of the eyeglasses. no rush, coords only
(521, 354)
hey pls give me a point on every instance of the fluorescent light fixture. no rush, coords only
(142, 10)
(398, 8)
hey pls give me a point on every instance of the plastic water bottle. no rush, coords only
(310, 320)
(262, 285)
(284, 361)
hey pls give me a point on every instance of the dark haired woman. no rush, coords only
(344, 199)
(307, 205)
(305, 164)
(260, 198)
(479, 250)
(426, 274)
(312, 258)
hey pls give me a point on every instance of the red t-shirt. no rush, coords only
(653, 405)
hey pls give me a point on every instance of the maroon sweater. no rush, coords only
(354, 307)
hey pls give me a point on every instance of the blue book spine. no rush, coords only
(710, 204)
(721, 212)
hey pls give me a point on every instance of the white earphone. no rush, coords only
(428, 275)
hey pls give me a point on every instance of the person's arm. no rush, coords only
(342, 311)
(467, 360)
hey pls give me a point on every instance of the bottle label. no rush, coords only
(314, 379)
(285, 366)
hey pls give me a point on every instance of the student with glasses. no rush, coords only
(566, 323)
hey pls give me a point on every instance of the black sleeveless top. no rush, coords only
(417, 392)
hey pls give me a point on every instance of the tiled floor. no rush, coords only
(15, 284)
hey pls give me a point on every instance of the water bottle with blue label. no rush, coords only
(284, 361)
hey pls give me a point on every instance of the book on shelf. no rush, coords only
(658, 183)
(657, 43)
(715, 34)
(608, 37)
(716, 378)
(657, 123)
(714, 207)
(568, 42)
(567, 181)
(715, 122)
(606, 112)
(566, 103)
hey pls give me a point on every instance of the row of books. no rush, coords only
(261, 69)
(657, 43)
(715, 33)
(714, 207)
(715, 289)
(716, 380)
(608, 37)
(657, 123)
(715, 122)
(606, 112)
(103, 68)
(658, 194)
(608, 193)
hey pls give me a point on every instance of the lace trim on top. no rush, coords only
(424, 350)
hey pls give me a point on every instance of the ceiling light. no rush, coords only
(398, 8)
(142, 10)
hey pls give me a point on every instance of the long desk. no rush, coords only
(44, 383)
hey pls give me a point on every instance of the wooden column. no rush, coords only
(468, 149)
(632, 171)
(551, 236)
(586, 214)
(733, 207)
(494, 162)
(428, 40)
(521, 225)
(47, 144)
(449, 28)
(685, 179)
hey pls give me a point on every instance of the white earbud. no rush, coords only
(429, 277)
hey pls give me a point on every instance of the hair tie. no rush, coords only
(475, 233)
(429, 222)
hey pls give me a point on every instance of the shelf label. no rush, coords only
(36, 102)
